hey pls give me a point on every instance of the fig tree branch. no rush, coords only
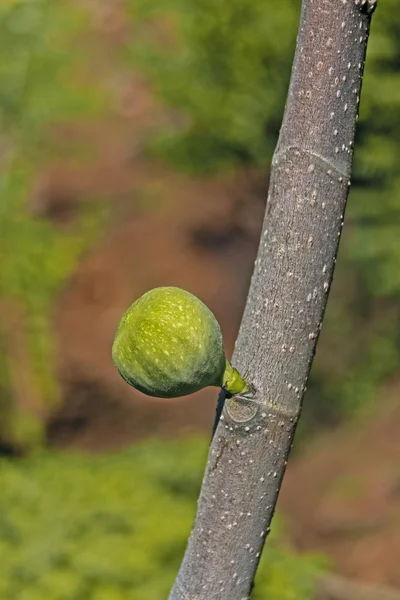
(309, 184)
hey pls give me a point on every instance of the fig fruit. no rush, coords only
(169, 344)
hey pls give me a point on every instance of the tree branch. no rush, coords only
(309, 184)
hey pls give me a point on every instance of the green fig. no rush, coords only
(169, 344)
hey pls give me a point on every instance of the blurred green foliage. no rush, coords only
(41, 83)
(115, 527)
(224, 67)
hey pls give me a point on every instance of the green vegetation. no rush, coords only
(115, 527)
(40, 85)
(225, 70)
(224, 67)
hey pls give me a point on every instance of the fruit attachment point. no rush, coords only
(233, 382)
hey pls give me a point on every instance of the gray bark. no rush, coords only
(309, 184)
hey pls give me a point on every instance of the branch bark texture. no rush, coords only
(309, 184)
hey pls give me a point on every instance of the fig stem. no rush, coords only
(233, 382)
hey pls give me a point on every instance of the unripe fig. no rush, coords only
(169, 344)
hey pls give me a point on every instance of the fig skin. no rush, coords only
(169, 344)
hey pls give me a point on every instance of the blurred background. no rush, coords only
(135, 143)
